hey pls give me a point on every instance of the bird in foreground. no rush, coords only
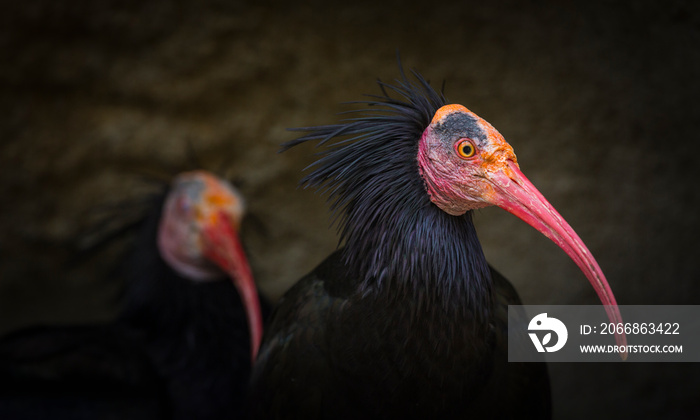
(182, 346)
(407, 319)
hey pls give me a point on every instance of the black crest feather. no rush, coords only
(393, 234)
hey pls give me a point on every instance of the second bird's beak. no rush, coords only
(513, 192)
(223, 246)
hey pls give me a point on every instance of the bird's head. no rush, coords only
(459, 156)
(198, 238)
(466, 164)
(199, 210)
(407, 151)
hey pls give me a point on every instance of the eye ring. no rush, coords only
(465, 148)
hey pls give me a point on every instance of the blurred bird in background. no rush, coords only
(182, 346)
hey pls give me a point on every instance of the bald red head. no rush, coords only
(466, 164)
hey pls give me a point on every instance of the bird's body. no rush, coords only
(407, 319)
(179, 350)
(386, 356)
(195, 333)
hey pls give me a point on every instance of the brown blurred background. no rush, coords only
(598, 99)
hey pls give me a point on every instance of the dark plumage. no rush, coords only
(407, 319)
(195, 333)
(377, 192)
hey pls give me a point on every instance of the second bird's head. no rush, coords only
(198, 238)
(199, 209)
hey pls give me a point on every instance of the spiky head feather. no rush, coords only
(394, 236)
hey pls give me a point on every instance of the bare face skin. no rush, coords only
(466, 164)
(198, 238)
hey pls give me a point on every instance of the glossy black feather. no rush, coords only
(374, 188)
(331, 353)
(406, 320)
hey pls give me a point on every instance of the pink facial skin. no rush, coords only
(457, 183)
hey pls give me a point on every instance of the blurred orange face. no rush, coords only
(198, 238)
(195, 204)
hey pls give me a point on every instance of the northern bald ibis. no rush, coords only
(407, 320)
(183, 345)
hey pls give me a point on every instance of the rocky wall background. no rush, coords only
(599, 100)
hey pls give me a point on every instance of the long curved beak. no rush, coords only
(514, 193)
(223, 246)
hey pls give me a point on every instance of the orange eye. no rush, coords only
(465, 148)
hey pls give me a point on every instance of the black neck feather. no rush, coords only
(394, 236)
